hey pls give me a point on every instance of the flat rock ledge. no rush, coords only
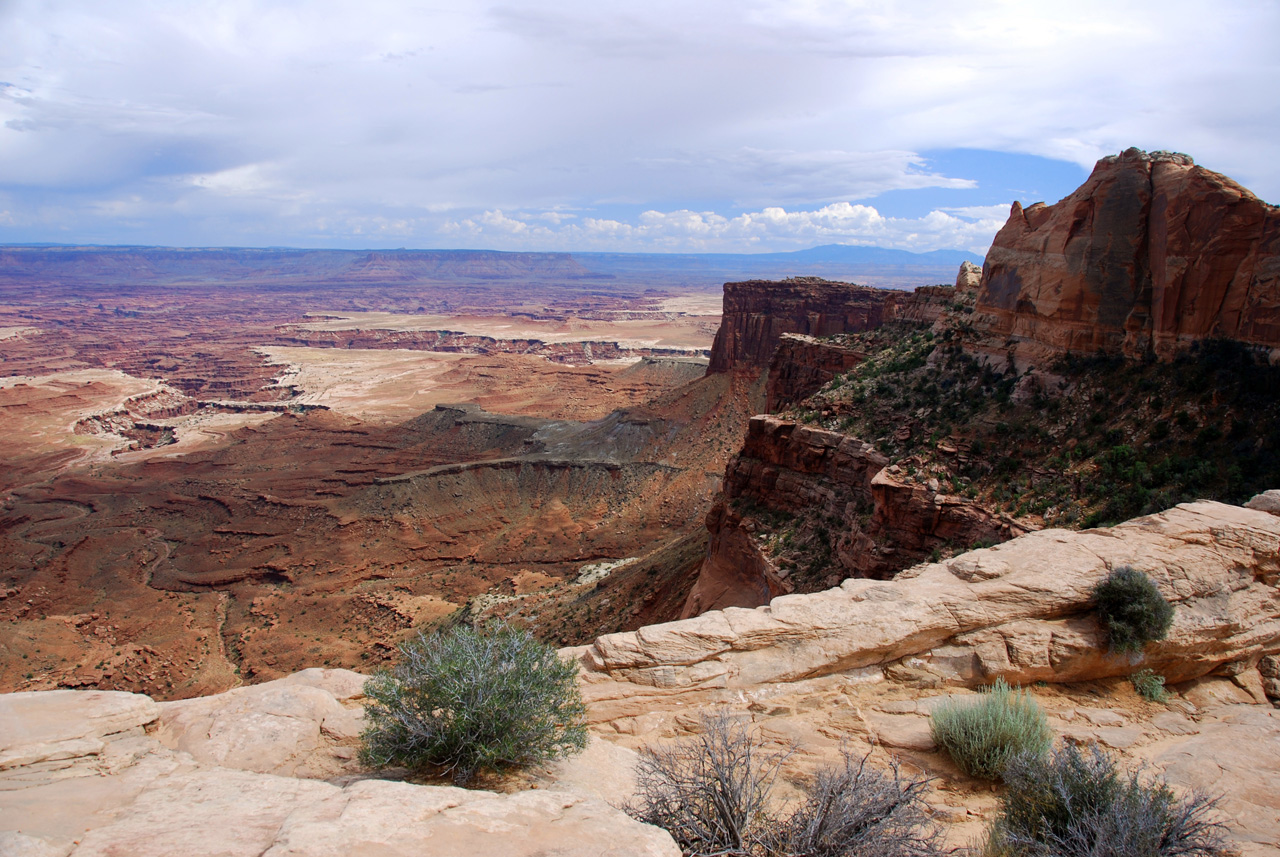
(103, 774)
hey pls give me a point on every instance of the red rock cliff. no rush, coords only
(881, 523)
(758, 312)
(1150, 254)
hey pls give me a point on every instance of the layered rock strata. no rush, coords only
(758, 312)
(882, 523)
(1021, 611)
(1149, 255)
(800, 367)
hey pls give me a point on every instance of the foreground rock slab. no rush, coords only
(98, 774)
(1021, 610)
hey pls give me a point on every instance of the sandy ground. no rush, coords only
(371, 384)
(681, 331)
(699, 303)
(390, 385)
(38, 414)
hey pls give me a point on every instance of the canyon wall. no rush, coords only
(1149, 255)
(801, 365)
(877, 523)
(758, 312)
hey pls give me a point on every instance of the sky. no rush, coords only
(652, 126)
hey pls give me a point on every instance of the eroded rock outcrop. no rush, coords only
(1020, 610)
(1149, 255)
(801, 365)
(878, 522)
(758, 312)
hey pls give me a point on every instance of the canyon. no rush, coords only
(826, 510)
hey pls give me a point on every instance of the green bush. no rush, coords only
(1132, 609)
(713, 796)
(1150, 685)
(1076, 805)
(981, 736)
(463, 700)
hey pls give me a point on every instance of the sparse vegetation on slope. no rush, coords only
(1086, 441)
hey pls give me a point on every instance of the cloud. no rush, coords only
(769, 229)
(264, 121)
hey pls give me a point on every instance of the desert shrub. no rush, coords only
(982, 735)
(713, 796)
(855, 809)
(1150, 685)
(1077, 804)
(1132, 609)
(465, 699)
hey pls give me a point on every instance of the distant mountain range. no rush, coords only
(282, 266)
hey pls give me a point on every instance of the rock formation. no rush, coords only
(270, 769)
(880, 524)
(111, 773)
(1149, 255)
(1020, 611)
(801, 365)
(757, 313)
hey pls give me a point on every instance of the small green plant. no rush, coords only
(1073, 804)
(1150, 685)
(466, 699)
(1132, 609)
(982, 735)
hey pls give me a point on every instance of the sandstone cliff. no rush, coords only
(1150, 254)
(801, 365)
(860, 517)
(757, 313)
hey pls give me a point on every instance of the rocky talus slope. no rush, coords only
(269, 769)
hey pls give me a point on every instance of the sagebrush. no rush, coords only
(713, 795)
(1150, 685)
(981, 735)
(1078, 804)
(464, 699)
(1132, 609)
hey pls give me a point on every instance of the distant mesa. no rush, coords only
(274, 265)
